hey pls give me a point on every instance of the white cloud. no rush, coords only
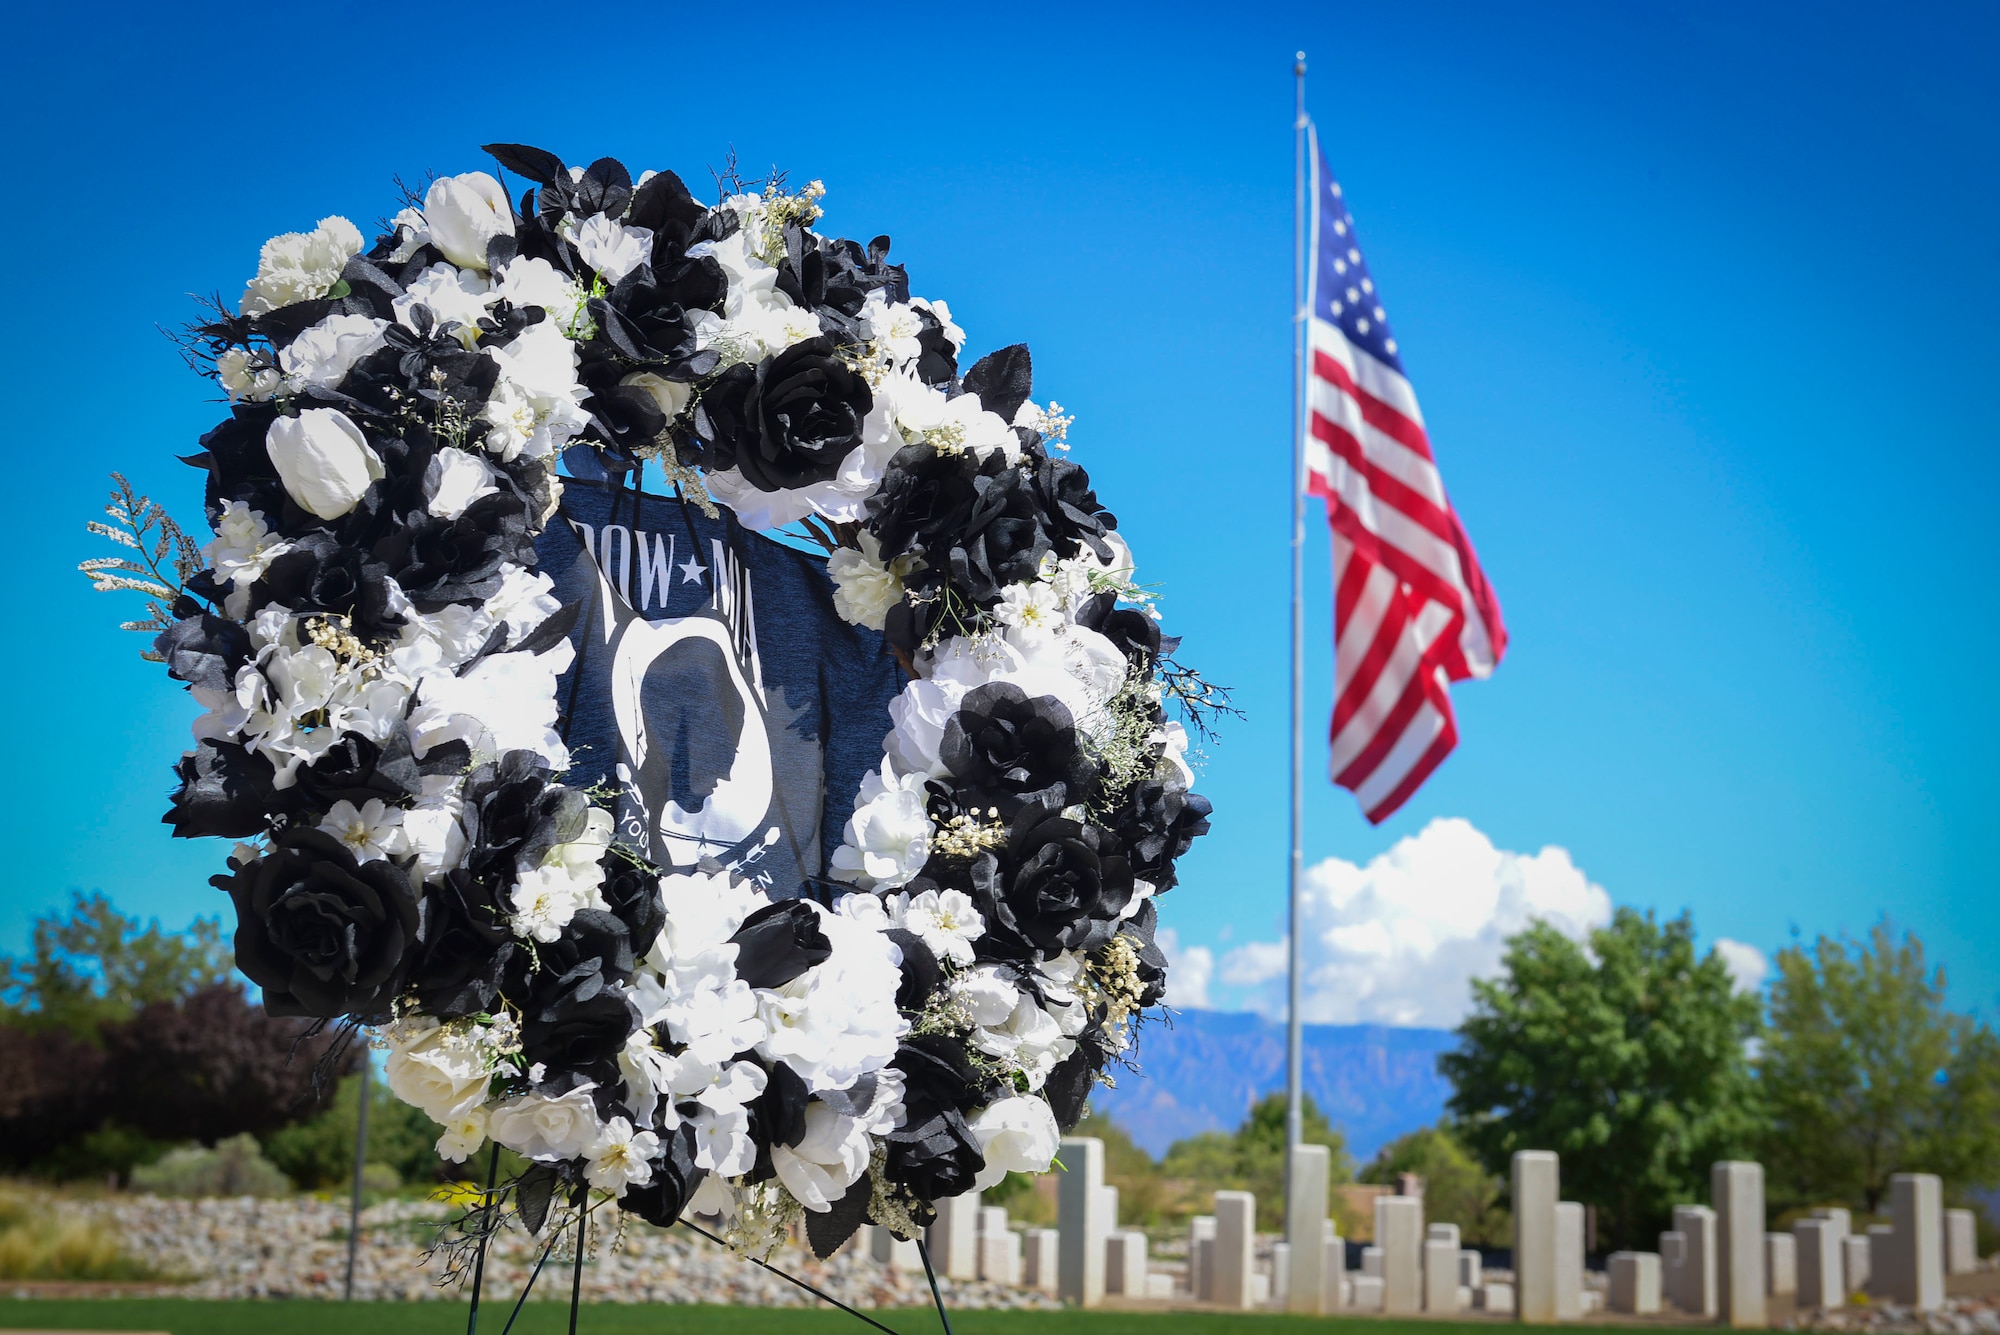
(1747, 964)
(1399, 941)
(1188, 971)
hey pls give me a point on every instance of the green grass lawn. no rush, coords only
(187, 1317)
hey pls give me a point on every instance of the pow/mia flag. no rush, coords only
(715, 690)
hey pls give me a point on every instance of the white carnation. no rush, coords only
(864, 586)
(299, 266)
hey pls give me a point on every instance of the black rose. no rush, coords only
(226, 791)
(675, 1177)
(1072, 514)
(926, 496)
(779, 942)
(322, 573)
(442, 561)
(204, 651)
(1006, 744)
(801, 416)
(1060, 886)
(633, 892)
(355, 769)
(1157, 822)
(468, 946)
(324, 936)
(934, 1158)
(1136, 634)
(923, 976)
(513, 815)
(574, 1018)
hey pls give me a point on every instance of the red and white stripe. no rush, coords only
(1412, 612)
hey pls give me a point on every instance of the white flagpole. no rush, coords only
(1294, 1044)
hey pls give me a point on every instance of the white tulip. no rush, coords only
(671, 395)
(464, 213)
(323, 460)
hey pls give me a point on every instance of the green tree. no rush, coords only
(1628, 1059)
(96, 966)
(1457, 1187)
(319, 1154)
(1252, 1158)
(1867, 1074)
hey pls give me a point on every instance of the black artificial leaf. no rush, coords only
(537, 164)
(501, 250)
(551, 632)
(452, 757)
(661, 200)
(922, 975)
(1002, 380)
(533, 1193)
(606, 187)
(1068, 1088)
(204, 651)
(827, 1231)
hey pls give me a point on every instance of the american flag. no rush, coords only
(1411, 610)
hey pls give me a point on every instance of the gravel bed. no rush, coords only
(249, 1248)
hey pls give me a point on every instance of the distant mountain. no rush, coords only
(1202, 1074)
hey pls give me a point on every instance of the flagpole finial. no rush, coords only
(1299, 67)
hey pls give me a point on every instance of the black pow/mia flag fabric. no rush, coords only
(714, 689)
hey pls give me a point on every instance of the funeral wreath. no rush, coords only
(379, 658)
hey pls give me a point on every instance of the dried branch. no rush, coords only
(167, 558)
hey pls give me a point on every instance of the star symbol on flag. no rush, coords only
(692, 571)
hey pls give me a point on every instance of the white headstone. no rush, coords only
(1108, 1203)
(953, 1238)
(1673, 1252)
(1441, 1233)
(1961, 1242)
(1569, 1261)
(1817, 1248)
(1469, 1268)
(1039, 1265)
(1367, 1293)
(1857, 1256)
(1842, 1221)
(1260, 1289)
(1883, 1281)
(897, 1253)
(1201, 1258)
(1441, 1273)
(1695, 1291)
(1000, 1256)
(1371, 1261)
(1781, 1263)
(1125, 1263)
(1399, 1232)
(1536, 1184)
(1916, 1204)
(1332, 1269)
(1634, 1283)
(1159, 1285)
(1080, 1221)
(1235, 1248)
(1281, 1273)
(1737, 1190)
(1495, 1296)
(1305, 1226)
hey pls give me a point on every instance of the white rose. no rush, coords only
(455, 479)
(242, 378)
(1016, 1135)
(464, 213)
(442, 1080)
(671, 395)
(464, 1133)
(299, 266)
(323, 460)
(325, 353)
(545, 1128)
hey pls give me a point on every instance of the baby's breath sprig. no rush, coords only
(336, 635)
(965, 836)
(168, 558)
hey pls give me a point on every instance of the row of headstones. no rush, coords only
(1820, 1262)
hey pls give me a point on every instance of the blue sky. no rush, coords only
(1700, 304)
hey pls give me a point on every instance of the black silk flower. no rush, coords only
(574, 1019)
(933, 1154)
(513, 814)
(1005, 744)
(800, 416)
(322, 935)
(1158, 821)
(1061, 886)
